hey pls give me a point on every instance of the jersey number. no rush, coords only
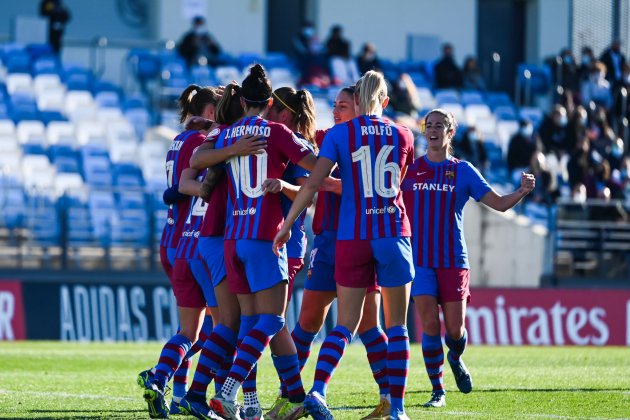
(381, 167)
(243, 176)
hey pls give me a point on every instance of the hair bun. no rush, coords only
(258, 71)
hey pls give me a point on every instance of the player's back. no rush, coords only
(178, 159)
(371, 153)
(252, 215)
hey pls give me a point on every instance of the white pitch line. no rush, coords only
(65, 395)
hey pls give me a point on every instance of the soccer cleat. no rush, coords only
(224, 408)
(194, 405)
(438, 399)
(144, 378)
(399, 415)
(292, 411)
(252, 413)
(462, 376)
(175, 409)
(382, 410)
(316, 406)
(154, 396)
(276, 407)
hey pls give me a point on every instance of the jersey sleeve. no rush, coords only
(478, 186)
(187, 150)
(292, 146)
(407, 144)
(329, 147)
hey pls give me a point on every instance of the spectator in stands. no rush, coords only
(565, 71)
(588, 58)
(198, 44)
(601, 134)
(521, 149)
(546, 190)
(403, 96)
(472, 78)
(343, 67)
(311, 60)
(58, 17)
(447, 73)
(614, 60)
(553, 131)
(577, 127)
(368, 60)
(596, 88)
(586, 166)
(472, 149)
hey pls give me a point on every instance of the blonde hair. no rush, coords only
(372, 92)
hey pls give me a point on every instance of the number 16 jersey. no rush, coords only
(371, 153)
(250, 215)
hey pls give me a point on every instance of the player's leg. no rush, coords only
(267, 277)
(454, 295)
(375, 341)
(425, 295)
(395, 272)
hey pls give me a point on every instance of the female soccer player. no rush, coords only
(254, 217)
(372, 236)
(194, 101)
(435, 191)
(320, 288)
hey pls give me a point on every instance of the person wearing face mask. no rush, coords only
(198, 44)
(309, 52)
(568, 72)
(614, 60)
(597, 88)
(587, 58)
(521, 148)
(553, 131)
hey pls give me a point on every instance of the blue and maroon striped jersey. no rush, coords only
(296, 247)
(214, 221)
(187, 246)
(371, 153)
(178, 159)
(326, 215)
(250, 215)
(435, 195)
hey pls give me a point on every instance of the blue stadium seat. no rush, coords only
(17, 61)
(145, 65)
(539, 81)
(33, 149)
(472, 97)
(495, 99)
(78, 78)
(66, 164)
(505, 113)
(273, 60)
(48, 64)
(203, 75)
(39, 50)
(48, 116)
(12, 206)
(127, 175)
(533, 114)
(447, 96)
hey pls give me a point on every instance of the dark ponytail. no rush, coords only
(302, 107)
(229, 108)
(194, 100)
(256, 88)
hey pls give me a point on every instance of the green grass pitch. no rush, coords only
(68, 380)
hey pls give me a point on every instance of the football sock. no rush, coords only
(456, 347)
(397, 365)
(171, 357)
(329, 357)
(303, 341)
(433, 355)
(375, 342)
(288, 369)
(221, 342)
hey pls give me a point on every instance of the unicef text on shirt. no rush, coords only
(245, 212)
(383, 210)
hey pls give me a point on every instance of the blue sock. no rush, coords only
(213, 353)
(456, 347)
(433, 355)
(329, 357)
(303, 341)
(288, 369)
(375, 342)
(171, 357)
(398, 365)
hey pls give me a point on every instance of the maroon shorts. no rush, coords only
(188, 293)
(166, 264)
(295, 266)
(446, 284)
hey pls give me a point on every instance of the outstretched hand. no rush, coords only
(528, 182)
(282, 237)
(198, 123)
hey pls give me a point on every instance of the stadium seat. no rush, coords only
(144, 64)
(42, 220)
(202, 75)
(38, 173)
(533, 114)
(78, 99)
(282, 77)
(475, 112)
(505, 131)
(39, 50)
(472, 97)
(107, 115)
(225, 74)
(69, 184)
(78, 78)
(19, 82)
(52, 99)
(17, 61)
(47, 64)
(454, 108)
(61, 132)
(7, 128)
(107, 99)
(140, 119)
(123, 150)
(12, 206)
(495, 99)
(10, 163)
(121, 130)
(44, 82)
(447, 96)
(29, 131)
(127, 175)
(506, 113)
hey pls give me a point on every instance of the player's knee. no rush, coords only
(455, 331)
(431, 327)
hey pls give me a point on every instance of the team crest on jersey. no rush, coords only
(450, 174)
(391, 209)
(252, 211)
(213, 133)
